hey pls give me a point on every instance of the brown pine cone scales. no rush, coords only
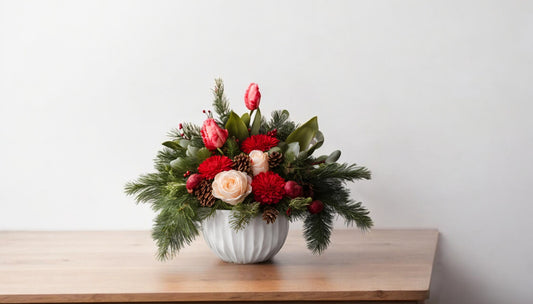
(242, 163)
(274, 159)
(204, 194)
(270, 214)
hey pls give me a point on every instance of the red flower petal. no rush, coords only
(214, 165)
(267, 188)
(258, 142)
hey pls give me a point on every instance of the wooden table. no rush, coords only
(382, 266)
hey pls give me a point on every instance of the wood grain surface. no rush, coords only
(115, 266)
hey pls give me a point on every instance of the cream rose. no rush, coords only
(232, 186)
(259, 161)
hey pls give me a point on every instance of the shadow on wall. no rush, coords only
(450, 282)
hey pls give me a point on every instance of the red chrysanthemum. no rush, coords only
(214, 165)
(267, 188)
(259, 142)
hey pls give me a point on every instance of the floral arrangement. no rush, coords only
(254, 167)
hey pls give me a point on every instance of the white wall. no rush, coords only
(434, 96)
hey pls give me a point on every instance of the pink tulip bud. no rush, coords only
(213, 136)
(252, 97)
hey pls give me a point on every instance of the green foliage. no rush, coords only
(317, 230)
(280, 121)
(304, 134)
(175, 226)
(344, 172)
(220, 103)
(298, 207)
(256, 125)
(231, 148)
(236, 127)
(242, 215)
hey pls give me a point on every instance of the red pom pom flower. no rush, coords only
(214, 165)
(267, 188)
(259, 142)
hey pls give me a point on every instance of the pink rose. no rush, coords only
(252, 97)
(213, 136)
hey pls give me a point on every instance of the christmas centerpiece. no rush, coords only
(241, 178)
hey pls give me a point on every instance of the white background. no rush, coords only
(435, 97)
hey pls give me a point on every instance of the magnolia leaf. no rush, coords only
(246, 119)
(236, 127)
(318, 141)
(333, 157)
(257, 123)
(304, 134)
(172, 145)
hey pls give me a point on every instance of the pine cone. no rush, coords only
(204, 195)
(242, 163)
(274, 159)
(270, 214)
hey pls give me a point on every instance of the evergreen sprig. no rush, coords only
(242, 215)
(220, 103)
(317, 230)
(280, 121)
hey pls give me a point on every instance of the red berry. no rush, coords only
(193, 181)
(315, 207)
(289, 212)
(293, 190)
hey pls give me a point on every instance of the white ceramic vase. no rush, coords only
(256, 243)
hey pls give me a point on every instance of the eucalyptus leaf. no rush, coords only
(191, 151)
(256, 125)
(203, 153)
(304, 134)
(293, 149)
(333, 157)
(236, 127)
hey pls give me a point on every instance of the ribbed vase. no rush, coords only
(256, 243)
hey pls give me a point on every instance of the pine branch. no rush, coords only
(317, 230)
(174, 228)
(231, 148)
(147, 188)
(280, 121)
(341, 171)
(220, 103)
(334, 194)
(242, 215)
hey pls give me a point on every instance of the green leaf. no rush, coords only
(304, 134)
(172, 145)
(236, 127)
(333, 157)
(246, 119)
(319, 140)
(257, 123)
